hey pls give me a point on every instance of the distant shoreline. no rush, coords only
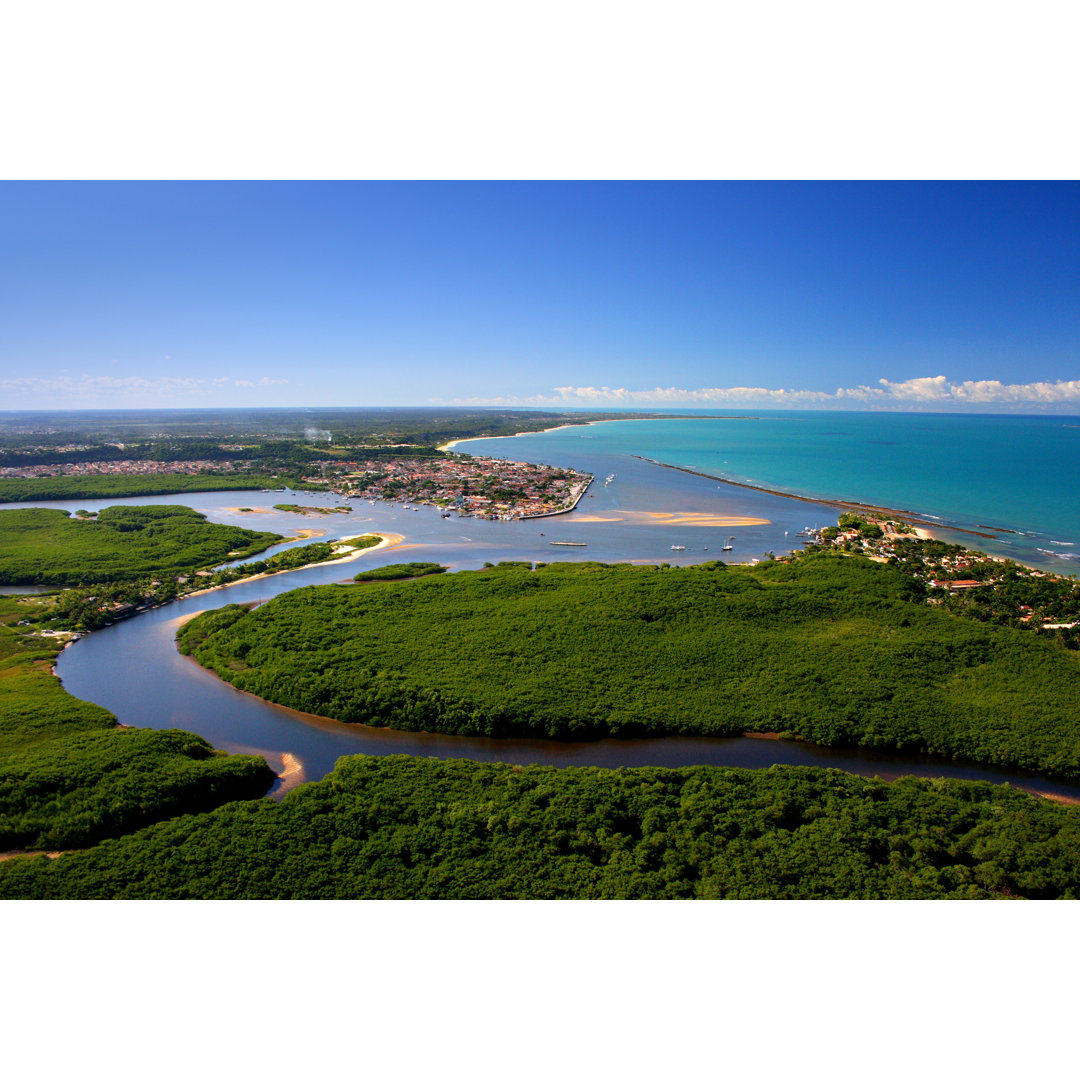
(909, 516)
(588, 423)
(924, 524)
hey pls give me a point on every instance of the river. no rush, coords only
(133, 669)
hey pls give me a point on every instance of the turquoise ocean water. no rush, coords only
(1014, 473)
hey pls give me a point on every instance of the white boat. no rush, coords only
(678, 547)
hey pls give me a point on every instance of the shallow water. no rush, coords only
(133, 669)
(1016, 474)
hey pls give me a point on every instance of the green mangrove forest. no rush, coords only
(410, 828)
(120, 543)
(400, 571)
(830, 648)
(159, 814)
(69, 776)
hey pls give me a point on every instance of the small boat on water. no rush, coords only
(726, 547)
(678, 547)
(567, 543)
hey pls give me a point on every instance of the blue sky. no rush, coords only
(850, 295)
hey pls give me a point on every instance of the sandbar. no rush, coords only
(292, 774)
(386, 540)
(690, 518)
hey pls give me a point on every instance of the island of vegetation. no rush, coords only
(399, 571)
(125, 559)
(120, 543)
(834, 649)
(292, 508)
(91, 607)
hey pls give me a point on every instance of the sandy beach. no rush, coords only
(543, 431)
(918, 524)
(921, 527)
(386, 540)
(653, 517)
(292, 774)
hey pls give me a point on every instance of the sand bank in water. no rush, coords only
(652, 517)
(386, 540)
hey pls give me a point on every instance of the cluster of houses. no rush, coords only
(122, 468)
(484, 487)
(950, 571)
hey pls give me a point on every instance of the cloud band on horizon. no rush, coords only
(929, 390)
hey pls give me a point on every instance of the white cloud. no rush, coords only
(934, 391)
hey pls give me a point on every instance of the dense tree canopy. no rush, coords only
(122, 543)
(70, 777)
(399, 571)
(830, 648)
(405, 827)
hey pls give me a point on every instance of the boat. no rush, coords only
(567, 543)
(726, 547)
(677, 547)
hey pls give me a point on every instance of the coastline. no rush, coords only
(589, 423)
(565, 509)
(909, 516)
(559, 427)
(923, 526)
